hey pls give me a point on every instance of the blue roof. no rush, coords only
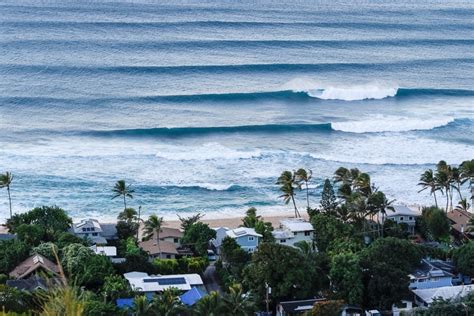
(191, 297)
(125, 302)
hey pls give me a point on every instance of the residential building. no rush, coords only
(402, 308)
(424, 297)
(30, 285)
(403, 215)
(148, 284)
(431, 274)
(247, 238)
(94, 231)
(108, 251)
(162, 249)
(34, 265)
(460, 224)
(172, 235)
(300, 307)
(293, 230)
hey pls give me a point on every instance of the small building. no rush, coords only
(300, 307)
(293, 230)
(460, 224)
(247, 238)
(32, 284)
(425, 297)
(402, 308)
(148, 284)
(172, 235)
(403, 215)
(159, 249)
(108, 251)
(34, 265)
(431, 274)
(94, 231)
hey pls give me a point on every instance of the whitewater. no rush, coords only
(200, 106)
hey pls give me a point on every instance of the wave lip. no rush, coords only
(380, 124)
(355, 93)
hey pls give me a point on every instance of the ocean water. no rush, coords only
(202, 104)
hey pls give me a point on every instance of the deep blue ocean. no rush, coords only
(200, 105)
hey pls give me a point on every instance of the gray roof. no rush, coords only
(29, 285)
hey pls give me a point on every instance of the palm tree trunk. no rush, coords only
(158, 241)
(124, 202)
(447, 201)
(297, 214)
(436, 201)
(307, 194)
(10, 201)
(459, 191)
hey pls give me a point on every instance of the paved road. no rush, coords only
(210, 279)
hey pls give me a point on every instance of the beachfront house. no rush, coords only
(431, 274)
(94, 231)
(247, 238)
(168, 246)
(403, 215)
(461, 228)
(293, 230)
(150, 284)
(35, 265)
(425, 297)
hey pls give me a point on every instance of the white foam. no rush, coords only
(380, 123)
(208, 151)
(319, 90)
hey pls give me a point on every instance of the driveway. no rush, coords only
(210, 279)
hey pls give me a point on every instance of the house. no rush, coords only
(169, 246)
(191, 297)
(94, 231)
(300, 307)
(403, 215)
(34, 265)
(460, 224)
(293, 230)
(431, 274)
(247, 238)
(424, 297)
(30, 285)
(108, 251)
(148, 284)
(402, 308)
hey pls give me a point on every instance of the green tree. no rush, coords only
(142, 306)
(209, 305)
(346, 275)
(6, 180)
(292, 278)
(466, 169)
(153, 227)
(288, 185)
(303, 175)
(198, 236)
(30, 234)
(252, 220)
(100, 308)
(236, 302)
(166, 266)
(121, 189)
(428, 181)
(167, 303)
(12, 252)
(443, 177)
(127, 225)
(234, 259)
(327, 308)
(464, 258)
(328, 229)
(115, 286)
(47, 250)
(187, 222)
(437, 222)
(328, 198)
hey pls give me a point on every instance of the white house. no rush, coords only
(293, 230)
(424, 297)
(247, 238)
(94, 231)
(108, 251)
(144, 283)
(403, 214)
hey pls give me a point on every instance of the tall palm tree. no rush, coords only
(121, 189)
(443, 178)
(379, 204)
(167, 303)
(428, 181)
(457, 181)
(303, 175)
(141, 306)
(236, 302)
(467, 174)
(153, 227)
(463, 205)
(128, 215)
(209, 305)
(287, 182)
(5, 182)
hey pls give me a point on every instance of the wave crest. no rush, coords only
(208, 151)
(379, 124)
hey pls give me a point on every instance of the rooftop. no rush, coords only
(459, 219)
(108, 251)
(151, 246)
(142, 282)
(296, 224)
(402, 210)
(445, 292)
(29, 285)
(298, 306)
(33, 263)
(242, 231)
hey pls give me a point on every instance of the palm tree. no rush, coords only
(128, 215)
(288, 185)
(153, 227)
(141, 306)
(209, 305)
(379, 204)
(236, 302)
(5, 182)
(463, 205)
(251, 219)
(121, 189)
(457, 181)
(443, 178)
(467, 174)
(167, 304)
(428, 181)
(305, 176)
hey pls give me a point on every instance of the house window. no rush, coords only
(94, 234)
(83, 229)
(295, 233)
(168, 256)
(283, 241)
(92, 229)
(251, 238)
(176, 240)
(410, 218)
(401, 218)
(307, 233)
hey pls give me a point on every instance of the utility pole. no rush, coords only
(268, 291)
(138, 227)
